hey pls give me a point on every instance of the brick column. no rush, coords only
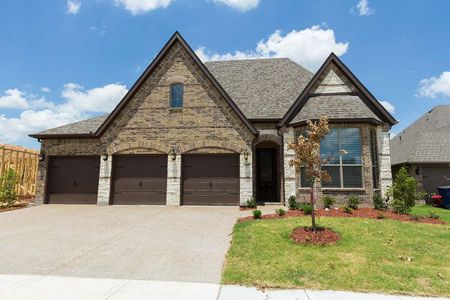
(104, 181)
(173, 181)
(384, 159)
(290, 185)
(245, 178)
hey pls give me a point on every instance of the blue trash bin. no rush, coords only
(444, 191)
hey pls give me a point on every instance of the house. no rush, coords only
(189, 133)
(424, 147)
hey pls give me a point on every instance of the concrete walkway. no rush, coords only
(19, 287)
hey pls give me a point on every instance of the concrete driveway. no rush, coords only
(129, 242)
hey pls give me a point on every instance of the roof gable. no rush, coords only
(333, 74)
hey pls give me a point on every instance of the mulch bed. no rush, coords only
(322, 236)
(369, 213)
(19, 205)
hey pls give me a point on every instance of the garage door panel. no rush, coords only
(210, 179)
(140, 179)
(73, 180)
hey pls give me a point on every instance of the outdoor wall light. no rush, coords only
(172, 154)
(246, 155)
(418, 171)
(105, 157)
(41, 157)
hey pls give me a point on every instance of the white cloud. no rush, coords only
(73, 7)
(40, 114)
(362, 7)
(435, 86)
(308, 47)
(45, 89)
(137, 7)
(13, 98)
(241, 5)
(389, 106)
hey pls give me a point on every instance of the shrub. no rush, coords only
(379, 203)
(8, 194)
(348, 209)
(353, 202)
(250, 203)
(405, 192)
(306, 208)
(433, 215)
(257, 214)
(381, 216)
(281, 212)
(328, 201)
(416, 217)
(292, 203)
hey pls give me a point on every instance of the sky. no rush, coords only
(62, 61)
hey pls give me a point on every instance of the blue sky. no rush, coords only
(63, 61)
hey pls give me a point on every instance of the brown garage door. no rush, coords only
(73, 180)
(435, 176)
(211, 179)
(139, 179)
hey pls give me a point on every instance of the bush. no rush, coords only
(433, 215)
(250, 203)
(381, 216)
(416, 217)
(292, 203)
(353, 202)
(328, 202)
(257, 214)
(405, 192)
(348, 209)
(8, 194)
(281, 212)
(306, 208)
(379, 203)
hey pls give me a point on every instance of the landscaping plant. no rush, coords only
(307, 208)
(250, 203)
(281, 212)
(404, 191)
(8, 195)
(292, 203)
(257, 214)
(307, 155)
(353, 202)
(328, 201)
(348, 209)
(379, 203)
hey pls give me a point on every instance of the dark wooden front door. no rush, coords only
(210, 179)
(139, 179)
(73, 180)
(266, 175)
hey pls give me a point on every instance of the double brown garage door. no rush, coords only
(142, 179)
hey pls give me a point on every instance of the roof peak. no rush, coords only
(249, 59)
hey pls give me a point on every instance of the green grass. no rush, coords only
(366, 259)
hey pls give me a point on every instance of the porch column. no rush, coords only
(290, 186)
(384, 159)
(245, 178)
(104, 181)
(173, 180)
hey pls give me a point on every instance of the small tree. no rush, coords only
(405, 192)
(307, 155)
(7, 188)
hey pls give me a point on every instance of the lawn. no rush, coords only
(372, 256)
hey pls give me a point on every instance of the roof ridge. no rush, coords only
(248, 59)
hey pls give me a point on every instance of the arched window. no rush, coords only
(176, 95)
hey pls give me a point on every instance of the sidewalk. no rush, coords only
(20, 287)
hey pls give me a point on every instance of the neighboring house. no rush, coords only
(424, 147)
(189, 133)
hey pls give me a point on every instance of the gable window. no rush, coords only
(176, 95)
(343, 147)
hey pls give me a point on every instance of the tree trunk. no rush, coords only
(312, 201)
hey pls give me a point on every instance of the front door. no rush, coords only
(266, 175)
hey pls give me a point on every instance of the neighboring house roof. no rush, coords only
(262, 88)
(369, 100)
(349, 107)
(427, 140)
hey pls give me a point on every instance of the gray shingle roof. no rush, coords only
(261, 88)
(335, 107)
(427, 140)
(83, 127)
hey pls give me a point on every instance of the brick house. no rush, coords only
(189, 133)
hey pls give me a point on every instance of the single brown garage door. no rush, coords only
(73, 180)
(139, 179)
(211, 179)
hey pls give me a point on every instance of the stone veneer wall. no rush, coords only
(384, 159)
(366, 193)
(205, 124)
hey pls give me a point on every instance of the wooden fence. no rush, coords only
(25, 163)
